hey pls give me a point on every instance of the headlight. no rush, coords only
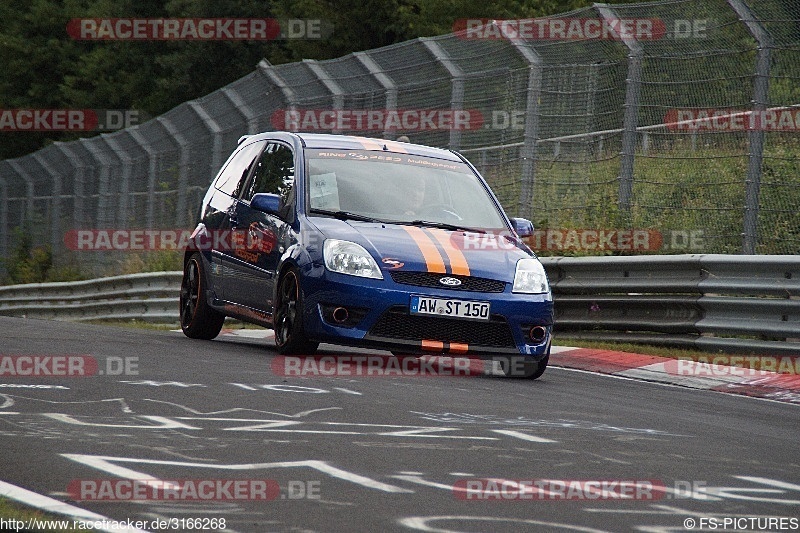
(530, 277)
(350, 258)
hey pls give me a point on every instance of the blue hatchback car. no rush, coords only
(365, 242)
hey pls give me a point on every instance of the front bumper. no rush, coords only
(384, 321)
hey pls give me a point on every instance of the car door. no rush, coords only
(216, 213)
(259, 239)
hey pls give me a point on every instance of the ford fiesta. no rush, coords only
(365, 242)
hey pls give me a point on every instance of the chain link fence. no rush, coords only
(659, 127)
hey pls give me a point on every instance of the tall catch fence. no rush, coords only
(659, 127)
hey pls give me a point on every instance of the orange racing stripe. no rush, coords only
(395, 147)
(458, 263)
(378, 144)
(369, 144)
(433, 259)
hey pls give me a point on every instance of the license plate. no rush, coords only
(424, 305)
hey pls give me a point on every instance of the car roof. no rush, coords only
(352, 142)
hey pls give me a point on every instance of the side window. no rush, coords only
(274, 173)
(231, 179)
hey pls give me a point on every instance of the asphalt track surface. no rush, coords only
(385, 453)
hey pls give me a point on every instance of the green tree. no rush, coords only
(26, 263)
(44, 68)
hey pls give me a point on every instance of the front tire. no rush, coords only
(288, 318)
(198, 319)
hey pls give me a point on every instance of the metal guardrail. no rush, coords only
(147, 296)
(558, 125)
(731, 303)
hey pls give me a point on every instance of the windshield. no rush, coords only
(399, 188)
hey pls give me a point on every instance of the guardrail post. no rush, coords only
(457, 81)
(183, 172)
(630, 119)
(337, 93)
(105, 162)
(4, 251)
(152, 172)
(755, 136)
(79, 207)
(55, 206)
(242, 107)
(268, 70)
(216, 133)
(125, 182)
(29, 189)
(531, 133)
(389, 87)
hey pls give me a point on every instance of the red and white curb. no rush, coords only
(680, 372)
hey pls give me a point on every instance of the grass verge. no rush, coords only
(161, 326)
(30, 518)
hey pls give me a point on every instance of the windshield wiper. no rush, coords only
(345, 215)
(444, 225)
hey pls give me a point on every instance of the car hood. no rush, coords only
(425, 249)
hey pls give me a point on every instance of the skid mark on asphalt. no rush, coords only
(236, 409)
(521, 421)
(11, 398)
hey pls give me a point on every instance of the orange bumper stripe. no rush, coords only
(433, 259)
(434, 346)
(457, 347)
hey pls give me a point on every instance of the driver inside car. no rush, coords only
(415, 198)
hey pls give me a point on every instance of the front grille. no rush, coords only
(397, 323)
(430, 279)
